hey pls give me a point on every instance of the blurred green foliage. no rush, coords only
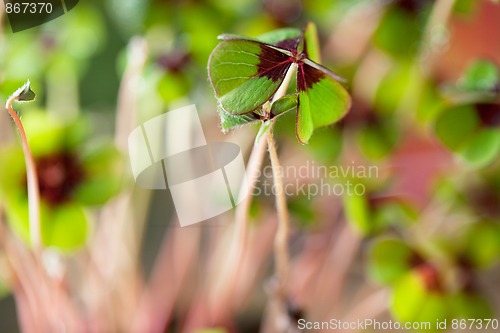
(76, 63)
(74, 172)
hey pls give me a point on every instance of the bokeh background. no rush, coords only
(423, 242)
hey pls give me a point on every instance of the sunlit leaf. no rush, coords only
(245, 74)
(395, 30)
(65, 228)
(322, 101)
(483, 148)
(455, 125)
(311, 42)
(481, 75)
(412, 302)
(279, 35)
(283, 105)
(25, 94)
(358, 213)
(230, 121)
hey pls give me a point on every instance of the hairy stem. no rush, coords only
(32, 178)
(253, 170)
(281, 240)
(255, 163)
(237, 250)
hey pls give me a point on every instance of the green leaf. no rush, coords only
(404, 77)
(481, 75)
(455, 125)
(469, 305)
(389, 260)
(311, 42)
(395, 29)
(322, 101)
(65, 228)
(245, 74)
(411, 302)
(273, 37)
(173, 86)
(276, 36)
(230, 121)
(465, 7)
(25, 94)
(358, 213)
(482, 246)
(459, 128)
(483, 148)
(46, 134)
(104, 173)
(11, 173)
(283, 105)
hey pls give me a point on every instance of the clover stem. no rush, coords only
(237, 251)
(281, 239)
(255, 162)
(31, 176)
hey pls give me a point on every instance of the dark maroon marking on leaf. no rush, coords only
(48, 42)
(489, 114)
(283, 11)
(412, 6)
(273, 64)
(308, 76)
(467, 274)
(431, 277)
(290, 44)
(361, 114)
(376, 200)
(59, 175)
(416, 260)
(484, 200)
(174, 62)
